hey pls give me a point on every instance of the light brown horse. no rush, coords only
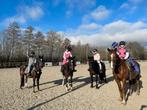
(121, 73)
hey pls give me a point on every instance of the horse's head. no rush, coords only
(112, 56)
(90, 61)
(71, 62)
(39, 63)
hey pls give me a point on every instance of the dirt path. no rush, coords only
(53, 95)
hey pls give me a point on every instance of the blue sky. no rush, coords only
(90, 21)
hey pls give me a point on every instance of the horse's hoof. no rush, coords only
(97, 87)
(123, 102)
(91, 86)
(138, 93)
(26, 85)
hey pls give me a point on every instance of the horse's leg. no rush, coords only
(105, 76)
(21, 80)
(138, 87)
(130, 90)
(71, 82)
(104, 72)
(124, 91)
(63, 82)
(38, 83)
(66, 83)
(34, 79)
(26, 80)
(91, 76)
(120, 89)
(97, 81)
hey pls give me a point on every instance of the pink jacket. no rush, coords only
(122, 52)
(66, 55)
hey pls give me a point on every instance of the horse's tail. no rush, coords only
(21, 81)
(22, 69)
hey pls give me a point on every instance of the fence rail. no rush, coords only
(11, 64)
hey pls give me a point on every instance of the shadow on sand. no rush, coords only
(59, 82)
(142, 107)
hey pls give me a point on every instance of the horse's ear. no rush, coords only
(108, 49)
(73, 57)
(115, 49)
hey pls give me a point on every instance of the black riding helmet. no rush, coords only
(122, 43)
(68, 48)
(94, 50)
(32, 53)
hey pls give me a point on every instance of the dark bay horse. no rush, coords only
(67, 71)
(35, 73)
(121, 74)
(94, 70)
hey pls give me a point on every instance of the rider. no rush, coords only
(67, 54)
(31, 62)
(97, 58)
(124, 54)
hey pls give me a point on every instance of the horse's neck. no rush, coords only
(90, 64)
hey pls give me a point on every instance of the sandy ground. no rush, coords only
(53, 95)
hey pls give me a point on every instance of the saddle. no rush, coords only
(27, 71)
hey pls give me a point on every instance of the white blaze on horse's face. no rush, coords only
(111, 63)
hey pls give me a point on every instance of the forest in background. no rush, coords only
(15, 42)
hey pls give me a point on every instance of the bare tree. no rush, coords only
(29, 38)
(39, 41)
(12, 34)
(137, 50)
(54, 42)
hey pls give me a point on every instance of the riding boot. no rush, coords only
(62, 68)
(29, 74)
(30, 70)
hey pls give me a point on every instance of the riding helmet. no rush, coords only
(122, 43)
(94, 50)
(114, 44)
(68, 48)
(32, 53)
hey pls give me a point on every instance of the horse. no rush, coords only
(67, 71)
(35, 73)
(121, 74)
(94, 70)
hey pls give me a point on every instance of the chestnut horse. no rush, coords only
(35, 73)
(121, 74)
